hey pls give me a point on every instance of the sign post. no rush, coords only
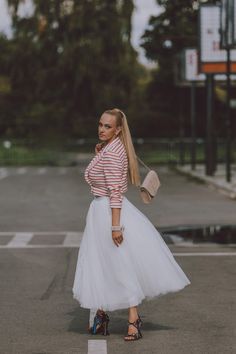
(215, 59)
(227, 25)
(191, 75)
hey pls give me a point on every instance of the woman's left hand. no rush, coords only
(98, 147)
(117, 237)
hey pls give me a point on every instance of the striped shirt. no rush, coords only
(107, 173)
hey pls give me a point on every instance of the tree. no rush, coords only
(167, 34)
(69, 62)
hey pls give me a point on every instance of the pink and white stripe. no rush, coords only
(107, 173)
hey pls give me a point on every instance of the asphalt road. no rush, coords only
(57, 199)
(38, 313)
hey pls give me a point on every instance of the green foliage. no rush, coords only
(66, 64)
(171, 31)
(174, 29)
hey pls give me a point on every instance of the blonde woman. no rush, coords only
(123, 258)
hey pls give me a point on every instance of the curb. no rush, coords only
(222, 187)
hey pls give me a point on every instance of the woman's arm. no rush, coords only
(113, 169)
(116, 235)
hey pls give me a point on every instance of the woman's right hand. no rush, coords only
(117, 237)
(98, 147)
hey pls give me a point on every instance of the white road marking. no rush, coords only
(42, 171)
(21, 170)
(39, 246)
(204, 254)
(20, 240)
(62, 171)
(73, 238)
(3, 173)
(97, 346)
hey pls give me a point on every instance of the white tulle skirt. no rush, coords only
(142, 267)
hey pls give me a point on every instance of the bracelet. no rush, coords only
(117, 228)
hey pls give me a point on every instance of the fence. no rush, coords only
(152, 150)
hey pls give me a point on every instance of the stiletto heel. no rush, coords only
(105, 329)
(137, 335)
(100, 323)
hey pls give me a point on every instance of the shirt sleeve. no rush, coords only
(113, 169)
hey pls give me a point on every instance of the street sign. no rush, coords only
(190, 69)
(212, 57)
(191, 72)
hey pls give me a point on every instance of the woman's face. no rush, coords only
(107, 128)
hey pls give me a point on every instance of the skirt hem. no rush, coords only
(139, 301)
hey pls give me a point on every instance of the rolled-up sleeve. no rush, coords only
(113, 170)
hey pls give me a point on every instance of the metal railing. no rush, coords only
(152, 150)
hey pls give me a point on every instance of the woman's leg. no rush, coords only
(92, 314)
(133, 316)
(133, 313)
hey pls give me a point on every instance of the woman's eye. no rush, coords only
(107, 126)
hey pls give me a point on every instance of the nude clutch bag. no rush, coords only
(150, 185)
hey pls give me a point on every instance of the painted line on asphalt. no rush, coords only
(40, 246)
(204, 254)
(72, 238)
(62, 171)
(50, 233)
(20, 240)
(3, 173)
(21, 170)
(97, 346)
(42, 171)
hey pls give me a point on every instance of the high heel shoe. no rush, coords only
(137, 335)
(100, 323)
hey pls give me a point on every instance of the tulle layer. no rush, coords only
(111, 277)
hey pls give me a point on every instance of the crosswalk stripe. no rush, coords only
(39, 246)
(42, 171)
(21, 170)
(3, 173)
(97, 346)
(62, 171)
(72, 238)
(35, 171)
(20, 240)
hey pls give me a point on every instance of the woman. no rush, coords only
(123, 258)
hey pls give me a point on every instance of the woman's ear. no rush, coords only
(118, 130)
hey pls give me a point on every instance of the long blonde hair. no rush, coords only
(125, 136)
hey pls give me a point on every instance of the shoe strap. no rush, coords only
(133, 324)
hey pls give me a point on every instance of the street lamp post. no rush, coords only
(227, 43)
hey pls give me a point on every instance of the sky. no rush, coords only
(144, 9)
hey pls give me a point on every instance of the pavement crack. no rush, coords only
(50, 288)
(66, 272)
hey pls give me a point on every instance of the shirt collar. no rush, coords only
(114, 142)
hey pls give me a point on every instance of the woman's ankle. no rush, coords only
(133, 314)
